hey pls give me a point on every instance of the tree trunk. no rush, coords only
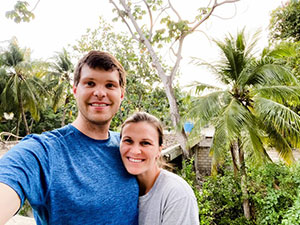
(245, 195)
(63, 118)
(175, 117)
(23, 115)
(18, 126)
(64, 112)
(167, 80)
(233, 149)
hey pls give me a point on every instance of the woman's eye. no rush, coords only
(129, 141)
(146, 143)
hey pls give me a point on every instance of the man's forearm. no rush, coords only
(9, 203)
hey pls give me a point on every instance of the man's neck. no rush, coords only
(94, 131)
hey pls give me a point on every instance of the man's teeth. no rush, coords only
(99, 105)
(134, 160)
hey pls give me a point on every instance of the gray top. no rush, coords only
(170, 201)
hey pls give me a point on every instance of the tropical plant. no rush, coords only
(250, 115)
(60, 83)
(24, 89)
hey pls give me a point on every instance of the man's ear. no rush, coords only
(122, 94)
(74, 89)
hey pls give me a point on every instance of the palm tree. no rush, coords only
(62, 70)
(24, 89)
(250, 115)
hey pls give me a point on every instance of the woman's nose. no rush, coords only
(135, 149)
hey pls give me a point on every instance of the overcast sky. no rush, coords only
(60, 22)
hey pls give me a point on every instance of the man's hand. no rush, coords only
(9, 203)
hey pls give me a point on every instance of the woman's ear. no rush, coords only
(161, 148)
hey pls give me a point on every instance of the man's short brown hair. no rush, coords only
(103, 61)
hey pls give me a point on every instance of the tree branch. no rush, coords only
(216, 4)
(235, 11)
(124, 20)
(151, 19)
(178, 59)
(36, 4)
(145, 41)
(174, 10)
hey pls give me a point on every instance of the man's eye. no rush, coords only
(110, 85)
(90, 83)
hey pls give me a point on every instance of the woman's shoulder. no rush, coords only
(175, 184)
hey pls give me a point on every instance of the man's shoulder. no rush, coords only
(48, 137)
(114, 137)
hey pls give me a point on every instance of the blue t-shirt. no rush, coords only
(70, 178)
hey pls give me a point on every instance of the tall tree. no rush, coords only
(250, 115)
(24, 87)
(285, 22)
(173, 33)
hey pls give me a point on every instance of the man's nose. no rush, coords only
(99, 92)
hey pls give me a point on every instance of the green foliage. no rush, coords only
(274, 196)
(292, 215)
(51, 120)
(26, 209)
(274, 190)
(24, 89)
(20, 13)
(221, 201)
(285, 22)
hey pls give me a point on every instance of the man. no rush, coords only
(74, 175)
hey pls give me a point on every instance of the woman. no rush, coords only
(165, 198)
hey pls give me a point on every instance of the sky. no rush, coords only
(59, 23)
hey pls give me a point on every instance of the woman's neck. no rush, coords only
(147, 180)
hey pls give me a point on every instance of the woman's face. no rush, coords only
(140, 148)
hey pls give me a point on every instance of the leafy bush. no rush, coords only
(221, 201)
(274, 192)
(274, 197)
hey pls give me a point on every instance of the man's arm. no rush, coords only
(9, 203)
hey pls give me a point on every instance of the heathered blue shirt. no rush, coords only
(70, 178)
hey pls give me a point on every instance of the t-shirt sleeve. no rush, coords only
(183, 211)
(25, 169)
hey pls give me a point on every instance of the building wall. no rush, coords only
(202, 158)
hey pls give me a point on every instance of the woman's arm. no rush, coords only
(183, 211)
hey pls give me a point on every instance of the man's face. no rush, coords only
(98, 96)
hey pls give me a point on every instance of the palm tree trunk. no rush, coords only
(23, 114)
(31, 124)
(245, 195)
(63, 118)
(18, 126)
(233, 148)
(64, 112)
